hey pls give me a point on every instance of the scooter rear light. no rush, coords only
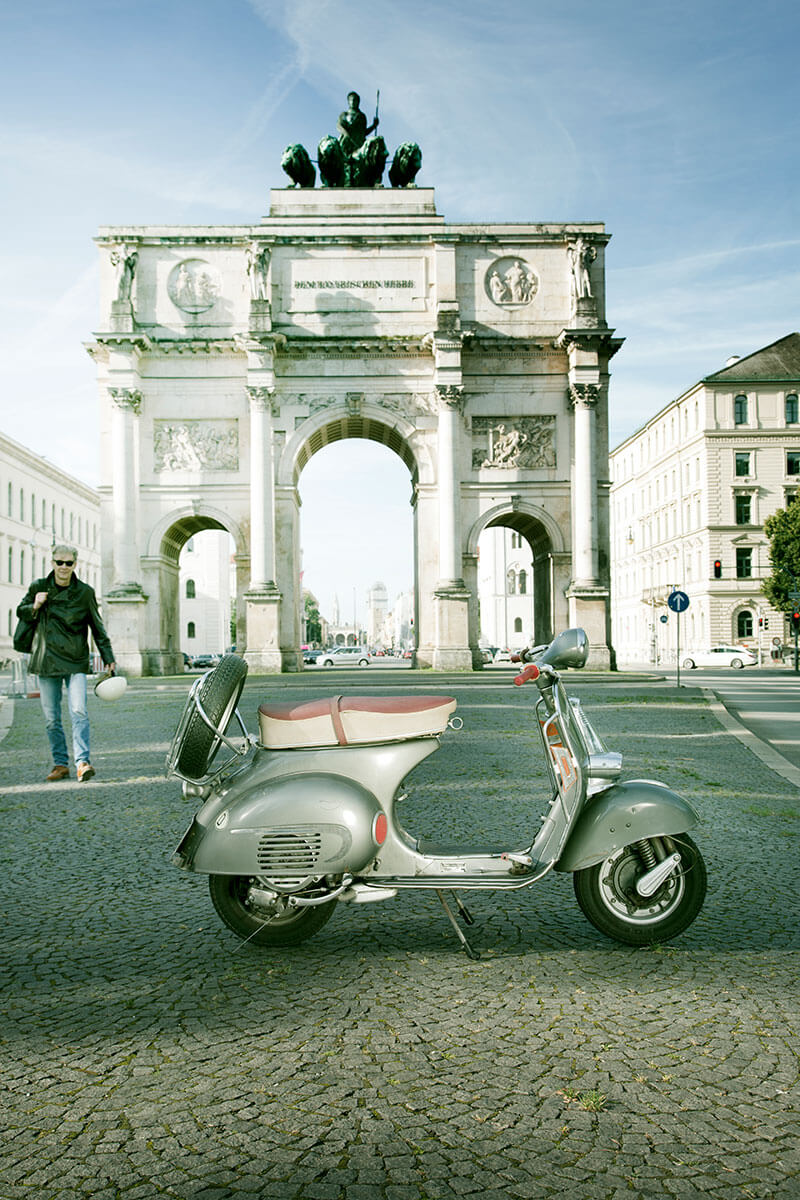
(380, 828)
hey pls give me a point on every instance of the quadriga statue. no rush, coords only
(298, 166)
(405, 165)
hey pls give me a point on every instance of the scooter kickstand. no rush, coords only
(466, 915)
(459, 932)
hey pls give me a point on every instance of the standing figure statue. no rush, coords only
(123, 258)
(581, 255)
(257, 270)
(352, 126)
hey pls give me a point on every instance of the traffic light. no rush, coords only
(796, 620)
(717, 569)
(760, 622)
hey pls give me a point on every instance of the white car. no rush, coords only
(344, 656)
(720, 656)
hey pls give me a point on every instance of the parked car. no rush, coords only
(204, 662)
(310, 657)
(344, 656)
(720, 656)
(503, 656)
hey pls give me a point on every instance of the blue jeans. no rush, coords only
(50, 693)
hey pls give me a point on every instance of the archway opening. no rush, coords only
(515, 583)
(357, 538)
(199, 582)
(207, 595)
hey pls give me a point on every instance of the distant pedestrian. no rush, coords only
(68, 609)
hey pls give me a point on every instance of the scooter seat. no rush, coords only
(352, 720)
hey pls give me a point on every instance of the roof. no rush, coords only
(779, 361)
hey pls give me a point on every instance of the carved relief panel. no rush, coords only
(196, 445)
(513, 442)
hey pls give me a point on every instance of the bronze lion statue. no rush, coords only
(298, 166)
(331, 160)
(405, 165)
(368, 163)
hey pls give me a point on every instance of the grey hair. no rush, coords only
(64, 548)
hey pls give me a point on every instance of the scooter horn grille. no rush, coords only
(292, 852)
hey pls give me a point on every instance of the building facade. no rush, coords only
(205, 591)
(228, 356)
(690, 493)
(40, 505)
(505, 577)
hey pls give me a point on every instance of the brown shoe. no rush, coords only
(85, 771)
(59, 771)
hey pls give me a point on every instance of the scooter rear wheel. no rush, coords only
(286, 927)
(607, 895)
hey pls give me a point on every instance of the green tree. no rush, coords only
(783, 531)
(313, 619)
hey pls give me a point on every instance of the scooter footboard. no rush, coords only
(624, 813)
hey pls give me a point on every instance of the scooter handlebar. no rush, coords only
(525, 676)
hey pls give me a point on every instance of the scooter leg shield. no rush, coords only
(624, 813)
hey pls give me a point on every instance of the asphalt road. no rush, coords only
(147, 1053)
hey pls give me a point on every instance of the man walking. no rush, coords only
(68, 608)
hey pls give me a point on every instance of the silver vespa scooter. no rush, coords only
(304, 815)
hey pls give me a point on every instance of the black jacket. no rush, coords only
(69, 614)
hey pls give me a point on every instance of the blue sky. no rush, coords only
(674, 123)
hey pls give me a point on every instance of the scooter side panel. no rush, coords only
(303, 825)
(624, 813)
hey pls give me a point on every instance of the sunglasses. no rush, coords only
(64, 562)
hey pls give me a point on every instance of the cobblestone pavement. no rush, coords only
(147, 1053)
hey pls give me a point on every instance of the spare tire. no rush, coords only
(218, 696)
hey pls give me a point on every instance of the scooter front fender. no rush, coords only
(624, 813)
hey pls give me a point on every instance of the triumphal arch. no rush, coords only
(228, 356)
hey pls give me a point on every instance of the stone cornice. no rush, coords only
(129, 343)
(508, 347)
(328, 347)
(193, 345)
(600, 338)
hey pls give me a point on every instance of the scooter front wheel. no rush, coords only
(607, 893)
(266, 925)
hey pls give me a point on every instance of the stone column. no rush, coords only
(451, 650)
(451, 404)
(262, 488)
(126, 404)
(262, 599)
(583, 398)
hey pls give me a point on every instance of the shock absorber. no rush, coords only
(646, 854)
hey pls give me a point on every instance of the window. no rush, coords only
(518, 625)
(10, 565)
(744, 564)
(190, 589)
(742, 462)
(740, 410)
(744, 624)
(190, 630)
(743, 504)
(791, 409)
(793, 462)
(523, 582)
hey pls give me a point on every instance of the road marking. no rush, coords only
(767, 753)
